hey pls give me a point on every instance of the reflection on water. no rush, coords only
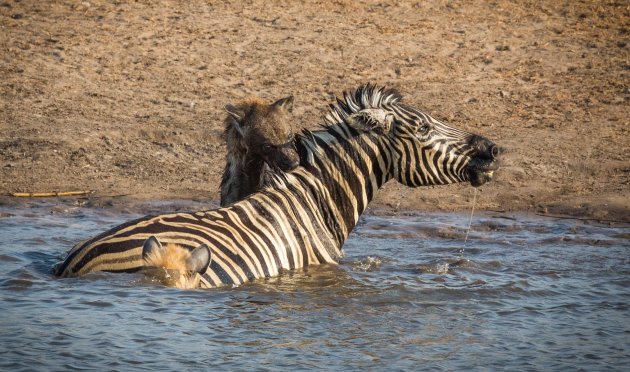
(522, 293)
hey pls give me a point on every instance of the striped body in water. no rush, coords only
(305, 216)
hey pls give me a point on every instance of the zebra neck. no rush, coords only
(350, 167)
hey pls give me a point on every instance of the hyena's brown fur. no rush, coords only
(174, 265)
(259, 136)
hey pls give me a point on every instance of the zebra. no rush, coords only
(304, 216)
(259, 139)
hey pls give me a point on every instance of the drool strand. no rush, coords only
(472, 211)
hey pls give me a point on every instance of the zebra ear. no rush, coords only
(371, 119)
(151, 247)
(285, 103)
(199, 259)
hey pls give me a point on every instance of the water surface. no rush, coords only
(523, 292)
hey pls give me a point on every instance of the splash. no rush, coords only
(368, 264)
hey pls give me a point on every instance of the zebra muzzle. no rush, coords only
(481, 169)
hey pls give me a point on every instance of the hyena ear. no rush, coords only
(151, 248)
(371, 119)
(285, 103)
(234, 112)
(237, 116)
(199, 259)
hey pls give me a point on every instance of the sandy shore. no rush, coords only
(126, 99)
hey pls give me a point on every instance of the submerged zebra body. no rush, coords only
(305, 216)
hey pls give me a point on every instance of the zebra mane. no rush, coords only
(366, 96)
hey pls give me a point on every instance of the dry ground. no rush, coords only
(126, 97)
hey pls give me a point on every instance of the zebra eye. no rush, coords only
(424, 129)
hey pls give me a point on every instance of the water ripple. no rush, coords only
(522, 293)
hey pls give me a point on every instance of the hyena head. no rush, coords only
(262, 131)
(174, 265)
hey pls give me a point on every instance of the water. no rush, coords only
(529, 293)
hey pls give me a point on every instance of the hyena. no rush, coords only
(259, 138)
(174, 265)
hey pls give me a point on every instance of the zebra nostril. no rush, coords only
(495, 151)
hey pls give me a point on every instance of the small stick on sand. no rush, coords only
(49, 194)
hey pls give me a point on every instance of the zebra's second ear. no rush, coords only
(199, 259)
(285, 103)
(371, 119)
(151, 248)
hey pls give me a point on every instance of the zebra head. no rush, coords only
(174, 265)
(425, 151)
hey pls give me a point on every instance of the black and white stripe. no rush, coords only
(305, 216)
